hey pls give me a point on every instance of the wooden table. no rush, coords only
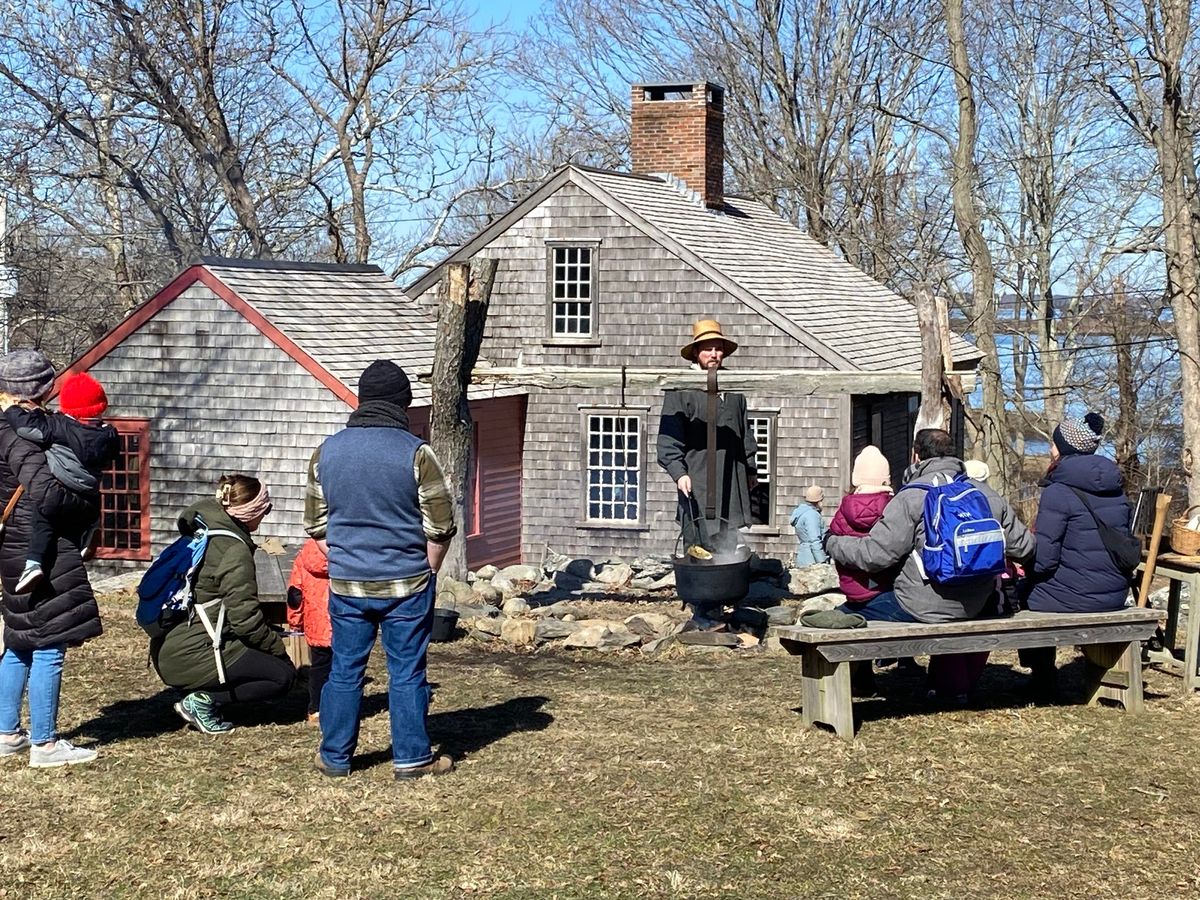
(273, 572)
(1111, 643)
(1181, 570)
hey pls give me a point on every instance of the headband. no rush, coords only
(252, 509)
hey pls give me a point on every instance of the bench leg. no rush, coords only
(1190, 681)
(826, 693)
(1173, 594)
(1115, 673)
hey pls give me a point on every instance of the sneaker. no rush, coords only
(12, 748)
(64, 754)
(29, 578)
(439, 765)
(201, 712)
(326, 769)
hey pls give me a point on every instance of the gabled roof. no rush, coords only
(802, 287)
(333, 320)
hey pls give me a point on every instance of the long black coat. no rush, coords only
(62, 608)
(683, 450)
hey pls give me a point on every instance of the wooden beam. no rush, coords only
(779, 381)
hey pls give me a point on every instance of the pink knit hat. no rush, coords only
(871, 469)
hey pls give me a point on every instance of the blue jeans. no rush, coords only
(405, 625)
(881, 608)
(40, 671)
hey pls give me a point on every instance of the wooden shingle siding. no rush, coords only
(648, 300)
(220, 398)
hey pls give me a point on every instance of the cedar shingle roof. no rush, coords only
(836, 303)
(799, 285)
(344, 317)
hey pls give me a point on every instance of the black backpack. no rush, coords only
(1123, 548)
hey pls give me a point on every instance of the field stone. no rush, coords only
(600, 636)
(467, 610)
(513, 580)
(558, 610)
(815, 579)
(652, 567)
(667, 581)
(518, 631)
(642, 584)
(658, 644)
(782, 615)
(515, 606)
(486, 573)
(451, 590)
(549, 629)
(617, 575)
(748, 641)
(489, 593)
(823, 601)
(650, 624)
(490, 627)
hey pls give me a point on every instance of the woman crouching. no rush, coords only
(250, 662)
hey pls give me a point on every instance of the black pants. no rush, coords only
(255, 676)
(61, 515)
(320, 661)
(1038, 659)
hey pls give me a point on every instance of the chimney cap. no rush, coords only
(679, 86)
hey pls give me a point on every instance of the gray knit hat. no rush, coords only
(1079, 435)
(26, 374)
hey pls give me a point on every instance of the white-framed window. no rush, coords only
(614, 466)
(762, 497)
(572, 285)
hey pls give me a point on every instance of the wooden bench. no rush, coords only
(1110, 642)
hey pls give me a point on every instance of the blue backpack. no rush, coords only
(167, 592)
(963, 540)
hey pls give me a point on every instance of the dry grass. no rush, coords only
(602, 776)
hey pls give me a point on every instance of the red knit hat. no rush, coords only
(82, 397)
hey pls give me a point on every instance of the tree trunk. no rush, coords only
(992, 419)
(933, 412)
(463, 298)
(1176, 153)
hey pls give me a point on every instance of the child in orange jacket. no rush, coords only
(308, 611)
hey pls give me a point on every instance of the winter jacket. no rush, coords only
(184, 655)
(900, 531)
(308, 595)
(61, 609)
(810, 532)
(854, 518)
(1073, 572)
(683, 450)
(77, 452)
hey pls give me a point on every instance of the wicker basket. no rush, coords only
(1184, 541)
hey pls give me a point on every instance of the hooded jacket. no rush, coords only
(1073, 572)
(899, 532)
(62, 608)
(308, 595)
(184, 656)
(854, 518)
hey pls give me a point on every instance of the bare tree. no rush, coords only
(1145, 53)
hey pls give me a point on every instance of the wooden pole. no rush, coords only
(463, 298)
(1161, 504)
(932, 412)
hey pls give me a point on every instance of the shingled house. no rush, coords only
(601, 268)
(246, 366)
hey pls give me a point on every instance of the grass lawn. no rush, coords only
(585, 775)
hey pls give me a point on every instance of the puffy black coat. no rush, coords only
(62, 608)
(1073, 572)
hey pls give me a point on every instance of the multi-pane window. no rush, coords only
(125, 495)
(572, 292)
(614, 467)
(762, 497)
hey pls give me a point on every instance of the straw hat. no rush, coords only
(706, 330)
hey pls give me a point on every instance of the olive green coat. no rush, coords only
(184, 656)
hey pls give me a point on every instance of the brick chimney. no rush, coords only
(679, 129)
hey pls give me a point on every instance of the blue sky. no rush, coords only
(515, 12)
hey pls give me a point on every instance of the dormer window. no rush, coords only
(573, 291)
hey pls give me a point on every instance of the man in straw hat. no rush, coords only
(683, 448)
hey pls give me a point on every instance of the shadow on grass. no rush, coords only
(461, 732)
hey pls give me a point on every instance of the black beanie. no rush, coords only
(1079, 435)
(384, 380)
